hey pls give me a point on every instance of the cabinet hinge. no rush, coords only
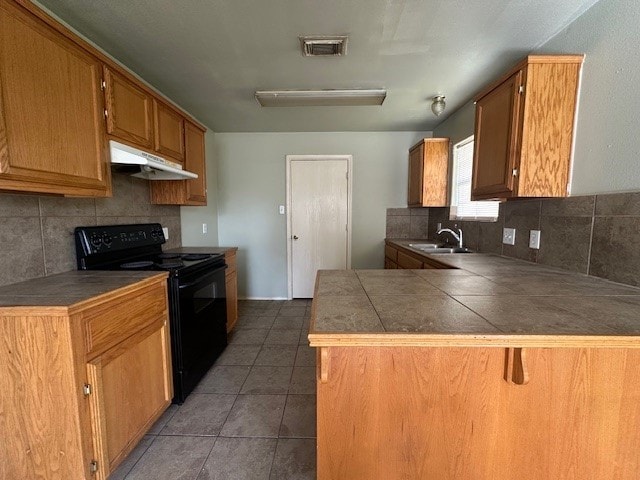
(521, 89)
(103, 85)
(515, 172)
(87, 390)
(347, 175)
(106, 113)
(93, 466)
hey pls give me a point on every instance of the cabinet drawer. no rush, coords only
(112, 322)
(405, 261)
(391, 253)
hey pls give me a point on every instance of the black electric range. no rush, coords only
(196, 288)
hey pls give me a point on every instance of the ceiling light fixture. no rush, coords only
(320, 98)
(437, 105)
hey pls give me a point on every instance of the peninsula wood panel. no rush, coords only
(169, 131)
(429, 173)
(129, 110)
(447, 413)
(51, 110)
(405, 261)
(524, 130)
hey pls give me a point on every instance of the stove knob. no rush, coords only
(95, 240)
(106, 239)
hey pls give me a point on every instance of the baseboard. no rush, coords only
(263, 298)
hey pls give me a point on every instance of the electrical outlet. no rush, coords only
(165, 230)
(509, 236)
(205, 228)
(534, 239)
(281, 209)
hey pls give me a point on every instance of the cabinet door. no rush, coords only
(132, 386)
(129, 110)
(169, 131)
(405, 261)
(497, 140)
(51, 110)
(416, 176)
(194, 161)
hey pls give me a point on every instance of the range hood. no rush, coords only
(151, 167)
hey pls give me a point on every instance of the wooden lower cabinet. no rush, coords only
(231, 285)
(394, 258)
(81, 386)
(448, 413)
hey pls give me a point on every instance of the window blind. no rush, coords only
(463, 208)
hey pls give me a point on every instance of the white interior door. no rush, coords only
(319, 230)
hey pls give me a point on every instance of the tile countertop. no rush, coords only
(69, 289)
(483, 300)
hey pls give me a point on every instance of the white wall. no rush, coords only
(194, 217)
(251, 185)
(607, 152)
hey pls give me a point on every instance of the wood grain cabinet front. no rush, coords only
(451, 415)
(231, 285)
(129, 110)
(429, 173)
(51, 110)
(168, 131)
(83, 383)
(524, 130)
(186, 192)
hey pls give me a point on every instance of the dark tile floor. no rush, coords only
(253, 416)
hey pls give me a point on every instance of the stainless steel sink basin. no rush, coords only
(421, 246)
(439, 250)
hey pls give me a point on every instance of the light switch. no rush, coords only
(509, 236)
(165, 230)
(205, 228)
(281, 209)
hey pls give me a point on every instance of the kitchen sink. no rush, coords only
(421, 246)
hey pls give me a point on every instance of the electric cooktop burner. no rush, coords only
(134, 265)
(169, 255)
(194, 256)
(168, 265)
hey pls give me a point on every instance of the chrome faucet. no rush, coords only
(457, 236)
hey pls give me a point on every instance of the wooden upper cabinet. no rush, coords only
(186, 192)
(169, 131)
(524, 130)
(51, 110)
(428, 173)
(129, 110)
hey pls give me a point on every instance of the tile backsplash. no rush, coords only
(36, 232)
(596, 234)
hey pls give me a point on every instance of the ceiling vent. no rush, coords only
(334, 46)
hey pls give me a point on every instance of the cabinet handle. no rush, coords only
(515, 366)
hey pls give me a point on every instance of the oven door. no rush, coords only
(198, 326)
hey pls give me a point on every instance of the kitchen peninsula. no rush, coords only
(492, 369)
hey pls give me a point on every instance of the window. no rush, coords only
(462, 208)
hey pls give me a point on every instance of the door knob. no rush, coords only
(295, 237)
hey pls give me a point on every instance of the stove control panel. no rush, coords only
(110, 238)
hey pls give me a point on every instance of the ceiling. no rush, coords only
(210, 56)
